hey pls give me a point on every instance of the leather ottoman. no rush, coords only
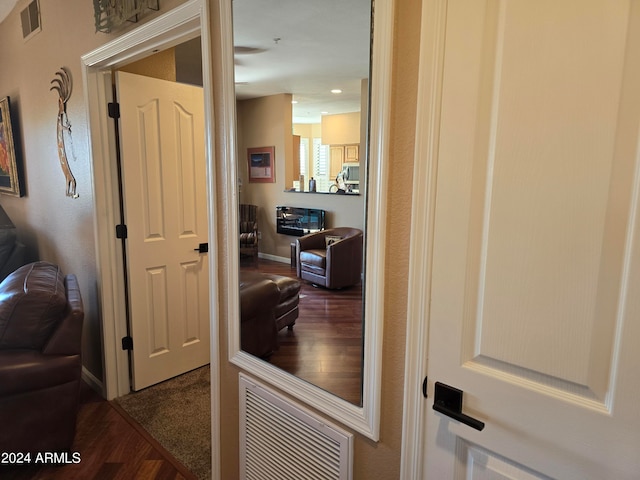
(286, 311)
(268, 303)
(258, 299)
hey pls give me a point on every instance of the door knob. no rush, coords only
(202, 248)
(448, 401)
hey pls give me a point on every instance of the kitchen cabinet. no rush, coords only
(340, 154)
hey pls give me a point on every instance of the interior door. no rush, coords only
(535, 312)
(164, 183)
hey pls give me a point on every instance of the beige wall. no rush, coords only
(381, 461)
(309, 131)
(53, 226)
(341, 128)
(162, 65)
(60, 229)
(264, 122)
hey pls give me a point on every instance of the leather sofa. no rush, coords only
(331, 258)
(268, 303)
(41, 316)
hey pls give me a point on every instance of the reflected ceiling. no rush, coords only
(302, 47)
(5, 8)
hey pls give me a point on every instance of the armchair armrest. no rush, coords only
(66, 338)
(344, 262)
(311, 241)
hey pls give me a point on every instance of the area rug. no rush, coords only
(177, 413)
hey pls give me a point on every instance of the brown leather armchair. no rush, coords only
(331, 258)
(41, 316)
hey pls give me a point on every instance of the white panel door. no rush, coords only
(164, 180)
(535, 305)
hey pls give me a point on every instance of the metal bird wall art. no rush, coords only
(63, 85)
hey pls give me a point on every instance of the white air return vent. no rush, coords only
(30, 18)
(280, 440)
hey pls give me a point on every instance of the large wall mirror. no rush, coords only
(306, 98)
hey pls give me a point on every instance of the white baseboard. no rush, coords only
(93, 381)
(274, 258)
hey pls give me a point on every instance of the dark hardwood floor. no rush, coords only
(325, 345)
(110, 446)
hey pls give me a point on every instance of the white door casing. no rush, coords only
(184, 22)
(164, 183)
(533, 124)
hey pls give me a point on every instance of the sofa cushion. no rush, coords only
(315, 257)
(32, 302)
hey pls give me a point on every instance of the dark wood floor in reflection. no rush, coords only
(325, 345)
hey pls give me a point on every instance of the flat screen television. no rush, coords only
(299, 221)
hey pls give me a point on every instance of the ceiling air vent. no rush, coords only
(30, 17)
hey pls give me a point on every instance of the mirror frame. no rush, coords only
(364, 419)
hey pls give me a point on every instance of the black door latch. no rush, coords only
(202, 248)
(448, 401)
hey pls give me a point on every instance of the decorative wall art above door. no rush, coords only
(63, 85)
(110, 14)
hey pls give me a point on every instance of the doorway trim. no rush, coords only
(184, 22)
(415, 406)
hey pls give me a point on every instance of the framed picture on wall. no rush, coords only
(10, 182)
(262, 164)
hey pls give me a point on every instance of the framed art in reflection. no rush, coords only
(262, 166)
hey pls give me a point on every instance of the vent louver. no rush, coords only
(281, 440)
(30, 18)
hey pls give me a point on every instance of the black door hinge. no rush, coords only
(127, 343)
(121, 231)
(424, 387)
(113, 109)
